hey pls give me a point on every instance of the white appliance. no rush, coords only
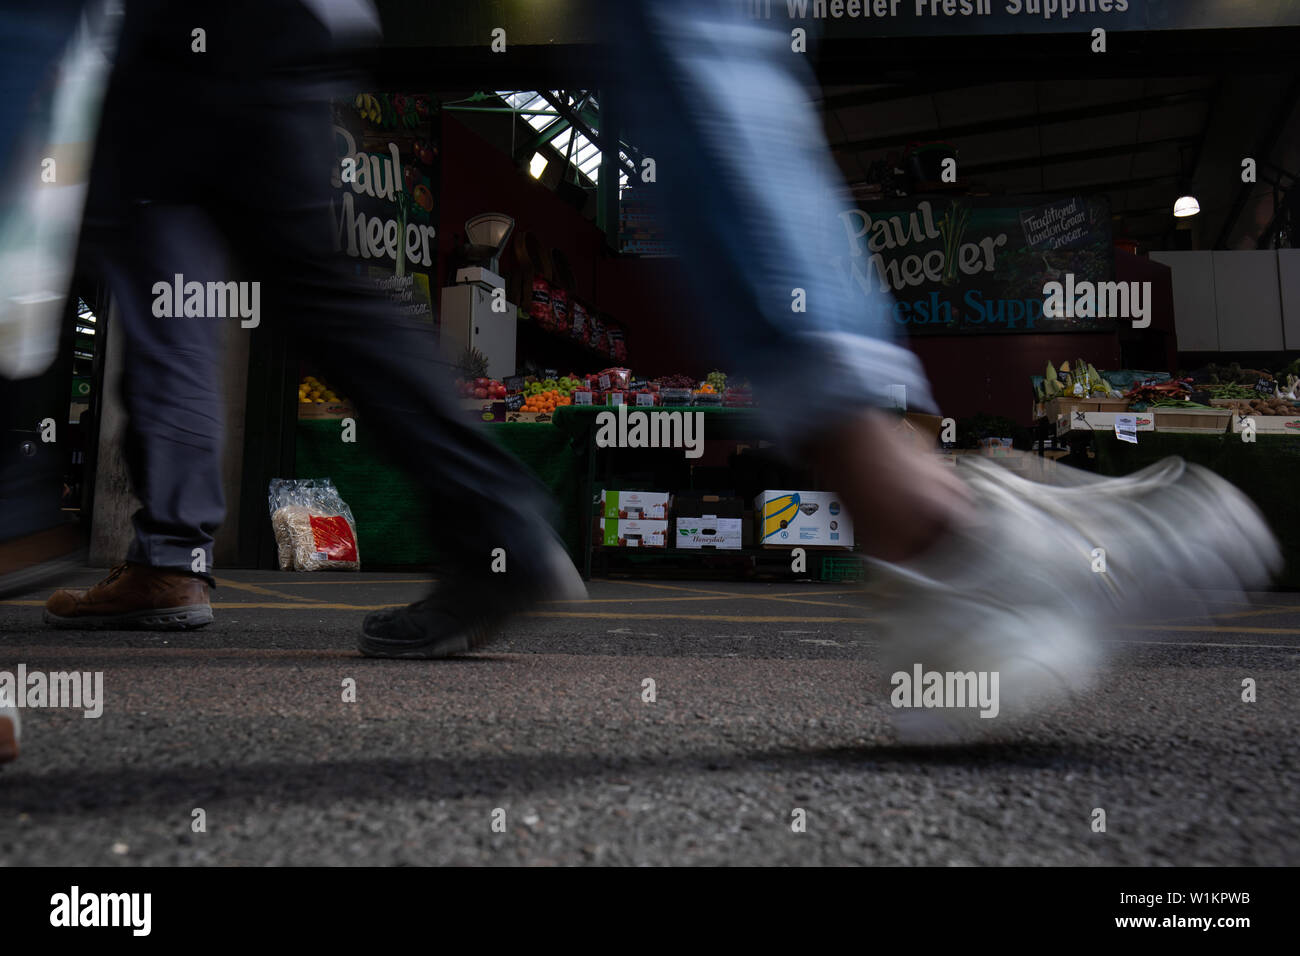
(468, 321)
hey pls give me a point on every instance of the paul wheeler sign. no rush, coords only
(969, 265)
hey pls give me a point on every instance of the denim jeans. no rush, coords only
(746, 178)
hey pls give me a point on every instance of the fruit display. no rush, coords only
(706, 395)
(738, 396)
(546, 401)
(486, 389)
(563, 386)
(616, 378)
(472, 364)
(369, 107)
(675, 381)
(717, 381)
(312, 390)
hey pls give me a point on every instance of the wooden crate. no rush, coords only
(1065, 405)
(319, 410)
(1192, 421)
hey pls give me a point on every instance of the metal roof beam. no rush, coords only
(1029, 120)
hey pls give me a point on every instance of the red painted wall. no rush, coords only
(641, 294)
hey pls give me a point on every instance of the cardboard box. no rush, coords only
(921, 430)
(1029, 465)
(616, 533)
(710, 531)
(693, 504)
(708, 521)
(1268, 424)
(801, 519)
(1101, 421)
(528, 418)
(1192, 421)
(646, 505)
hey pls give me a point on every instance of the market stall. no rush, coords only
(590, 438)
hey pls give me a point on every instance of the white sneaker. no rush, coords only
(10, 731)
(1015, 592)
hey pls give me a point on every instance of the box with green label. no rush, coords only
(704, 522)
(646, 505)
(638, 533)
(724, 534)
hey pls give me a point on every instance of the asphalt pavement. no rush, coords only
(265, 739)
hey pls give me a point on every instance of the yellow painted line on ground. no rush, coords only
(592, 615)
(782, 600)
(1273, 647)
(264, 605)
(339, 578)
(672, 599)
(715, 595)
(737, 618)
(676, 587)
(298, 606)
(1262, 612)
(258, 589)
(1211, 629)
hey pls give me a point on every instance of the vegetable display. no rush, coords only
(1081, 381)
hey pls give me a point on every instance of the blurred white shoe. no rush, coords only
(1020, 590)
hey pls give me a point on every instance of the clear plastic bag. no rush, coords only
(314, 528)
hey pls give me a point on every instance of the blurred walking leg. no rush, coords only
(723, 106)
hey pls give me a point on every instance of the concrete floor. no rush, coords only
(763, 708)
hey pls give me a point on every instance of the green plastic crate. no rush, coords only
(843, 569)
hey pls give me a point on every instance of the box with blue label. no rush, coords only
(802, 519)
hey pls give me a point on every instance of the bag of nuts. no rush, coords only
(314, 528)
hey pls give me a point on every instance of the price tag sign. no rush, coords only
(582, 397)
(1126, 428)
(514, 402)
(1264, 387)
(515, 383)
(645, 398)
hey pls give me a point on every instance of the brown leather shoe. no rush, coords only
(134, 597)
(9, 748)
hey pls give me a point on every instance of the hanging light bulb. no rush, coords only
(1186, 206)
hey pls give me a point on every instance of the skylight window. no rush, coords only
(585, 155)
